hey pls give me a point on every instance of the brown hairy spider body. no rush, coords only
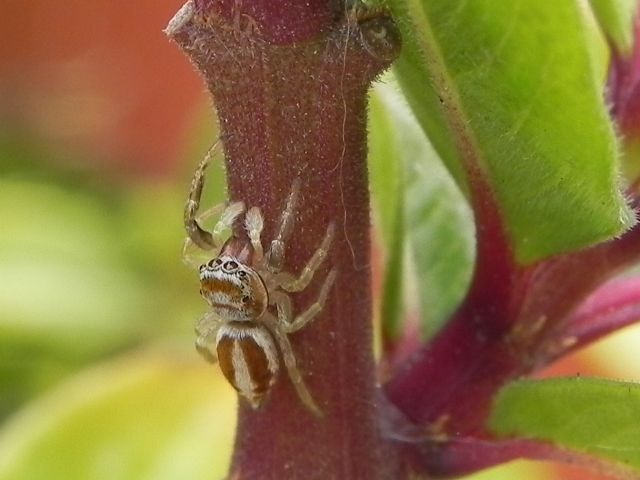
(248, 359)
(246, 329)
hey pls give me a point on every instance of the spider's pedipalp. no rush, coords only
(207, 329)
(227, 219)
(254, 223)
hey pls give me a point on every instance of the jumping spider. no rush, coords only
(250, 314)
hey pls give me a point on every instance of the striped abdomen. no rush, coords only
(248, 359)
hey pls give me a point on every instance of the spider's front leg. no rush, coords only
(196, 235)
(207, 330)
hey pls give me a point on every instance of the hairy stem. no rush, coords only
(297, 109)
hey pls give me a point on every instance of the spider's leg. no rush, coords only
(316, 307)
(254, 223)
(188, 247)
(282, 301)
(290, 362)
(195, 233)
(207, 328)
(228, 217)
(296, 284)
(275, 255)
(230, 213)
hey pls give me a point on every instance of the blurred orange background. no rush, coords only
(98, 77)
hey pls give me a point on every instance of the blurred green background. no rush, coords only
(101, 122)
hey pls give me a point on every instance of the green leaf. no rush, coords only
(599, 417)
(519, 469)
(616, 19)
(426, 224)
(386, 171)
(153, 416)
(64, 287)
(513, 90)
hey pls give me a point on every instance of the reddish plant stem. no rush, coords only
(560, 285)
(498, 335)
(613, 306)
(470, 454)
(299, 111)
(281, 22)
(502, 331)
(450, 382)
(513, 321)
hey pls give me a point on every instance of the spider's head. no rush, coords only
(234, 290)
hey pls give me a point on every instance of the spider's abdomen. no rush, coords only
(248, 359)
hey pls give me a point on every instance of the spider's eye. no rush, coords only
(245, 299)
(230, 265)
(242, 274)
(214, 263)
